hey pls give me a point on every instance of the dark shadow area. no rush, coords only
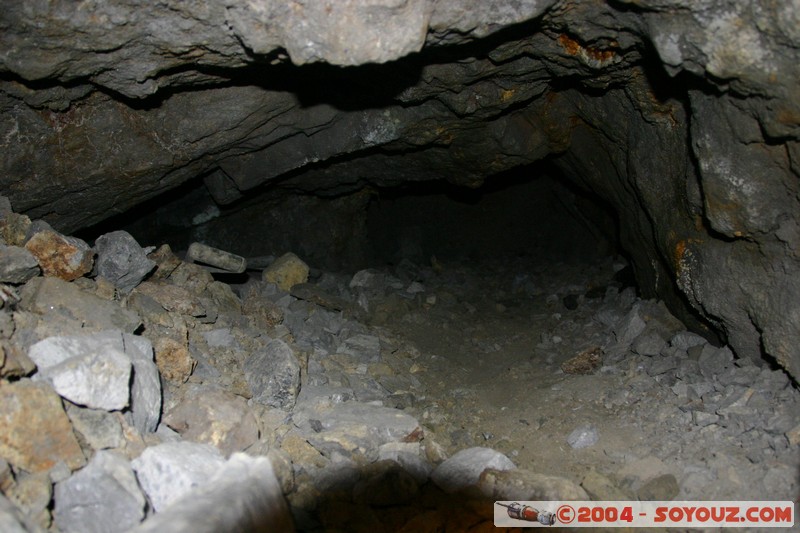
(387, 498)
(154, 213)
(532, 211)
(529, 212)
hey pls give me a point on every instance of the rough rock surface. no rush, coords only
(242, 495)
(60, 256)
(273, 375)
(215, 417)
(103, 496)
(464, 469)
(171, 470)
(38, 433)
(682, 116)
(379, 427)
(52, 297)
(17, 265)
(87, 371)
(121, 260)
(286, 271)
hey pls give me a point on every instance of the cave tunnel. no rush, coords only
(349, 267)
(529, 211)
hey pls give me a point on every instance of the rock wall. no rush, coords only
(685, 116)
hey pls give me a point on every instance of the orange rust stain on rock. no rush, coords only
(569, 44)
(507, 95)
(573, 47)
(680, 250)
(59, 256)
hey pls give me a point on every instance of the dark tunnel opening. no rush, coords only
(532, 212)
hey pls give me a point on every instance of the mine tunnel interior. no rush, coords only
(549, 257)
(532, 212)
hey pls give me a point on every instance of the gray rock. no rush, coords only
(17, 265)
(273, 374)
(171, 470)
(464, 468)
(221, 338)
(174, 298)
(782, 422)
(688, 371)
(703, 419)
(362, 348)
(192, 278)
(32, 494)
(780, 478)
(583, 437)
(660, 365)
(671, 351)
(315, 373)
(121, 260)
(739, 375)
(366, 279)
(738, 408)
(367, 389)
(99, 429)
(5, 208)
(52, 295)
(12, 520)
(225, 299)
(102, 497)
(353, 428)
(629, 327)
(649, 343)
(693, 352)
(146, 387)
(684, 340)
(88, 370)
(681, 390)
(317, 398)
(714, 361)
(608, 316)
(82, 367)
(242, 495)
(773, 380)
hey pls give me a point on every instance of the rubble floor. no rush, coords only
(394, 398)
(491, 349)
(490, 345)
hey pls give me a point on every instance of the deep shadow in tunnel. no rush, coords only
(531, 211)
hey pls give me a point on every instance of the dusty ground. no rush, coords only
(493, 382)
(491, 348)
